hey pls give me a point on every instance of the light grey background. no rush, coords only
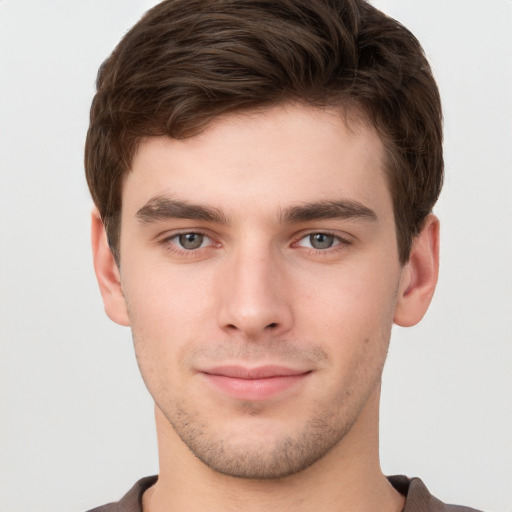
(76, 422)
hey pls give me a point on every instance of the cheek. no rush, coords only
(160, 296)
(164, 317)
(352, 296)
(351, 312)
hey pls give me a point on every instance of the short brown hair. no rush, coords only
(187, 62)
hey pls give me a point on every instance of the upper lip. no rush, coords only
(260, 372)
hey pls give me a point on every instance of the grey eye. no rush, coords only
(321, 240)
(191, 241)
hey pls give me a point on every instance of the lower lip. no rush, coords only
(254, 389)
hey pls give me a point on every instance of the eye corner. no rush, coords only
(322, 242)
(187, 243)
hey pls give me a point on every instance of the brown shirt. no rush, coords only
(418, 499)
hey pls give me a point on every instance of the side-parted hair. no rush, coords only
(187, 62)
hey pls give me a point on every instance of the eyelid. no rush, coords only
(342, 241)
(168, 239)
(341, 237)
(336, 241)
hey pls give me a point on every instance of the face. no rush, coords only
(260, 271)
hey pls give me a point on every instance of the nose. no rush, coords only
(255, 298)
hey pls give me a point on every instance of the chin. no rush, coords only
(259, 449)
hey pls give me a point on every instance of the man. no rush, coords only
(264, 175)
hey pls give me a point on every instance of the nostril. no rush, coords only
(272, 325)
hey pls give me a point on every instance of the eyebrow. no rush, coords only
(165, 208)
(323, 210)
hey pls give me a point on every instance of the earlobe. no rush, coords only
(419, 276)
(107, 273)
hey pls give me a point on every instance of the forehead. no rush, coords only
(264, 161)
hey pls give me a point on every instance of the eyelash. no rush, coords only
(174, 247)
(340, 243)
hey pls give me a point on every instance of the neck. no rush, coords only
(347, 478)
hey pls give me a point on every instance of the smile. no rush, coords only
(254, 384)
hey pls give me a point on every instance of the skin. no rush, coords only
(263, 280)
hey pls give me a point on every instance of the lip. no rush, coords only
(258, 383)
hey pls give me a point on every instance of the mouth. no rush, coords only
(259, 383)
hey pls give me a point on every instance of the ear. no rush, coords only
(107, 273)
(419, 275)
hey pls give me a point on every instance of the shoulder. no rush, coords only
(132, 500)
(419, 499)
